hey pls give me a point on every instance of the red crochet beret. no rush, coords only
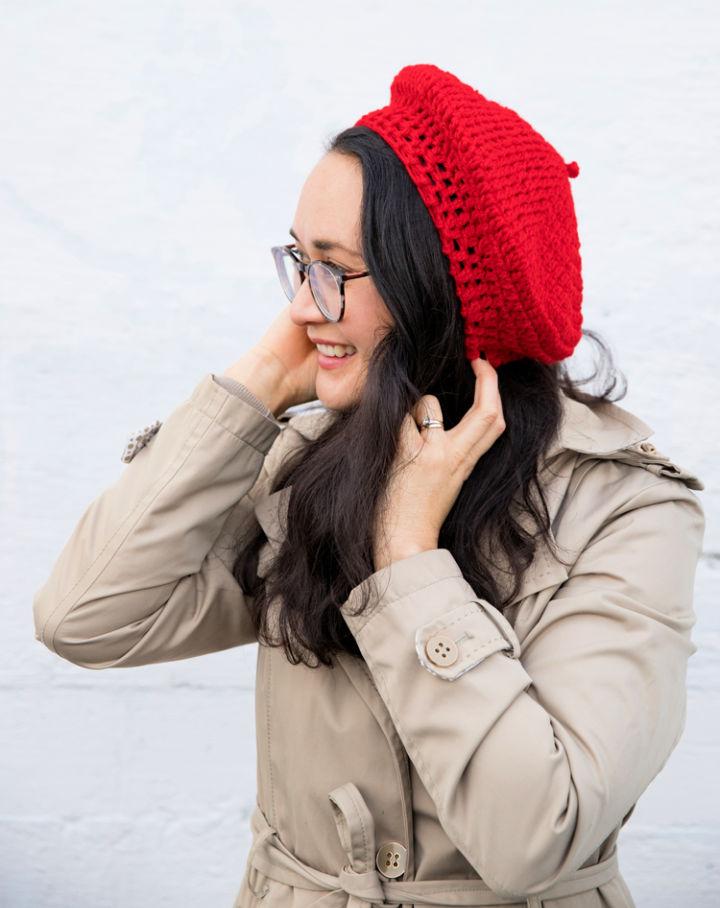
(500, 198)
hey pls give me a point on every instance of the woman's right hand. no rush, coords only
(281, 367)
(290, 344)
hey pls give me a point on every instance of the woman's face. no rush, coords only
(329, 210)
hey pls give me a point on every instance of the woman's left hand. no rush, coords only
(430, 468)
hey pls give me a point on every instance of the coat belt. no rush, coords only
(359, 884)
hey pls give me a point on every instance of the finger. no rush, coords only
(428, 407)
(485, 417)
(486, 383)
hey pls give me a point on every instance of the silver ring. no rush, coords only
(429, 423)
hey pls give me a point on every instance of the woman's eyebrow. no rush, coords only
(326, 245)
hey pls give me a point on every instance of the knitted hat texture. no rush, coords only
(499, 196)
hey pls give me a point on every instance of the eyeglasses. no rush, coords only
(327, 281)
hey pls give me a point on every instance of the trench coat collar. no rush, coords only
(600, 430)
(607, 427)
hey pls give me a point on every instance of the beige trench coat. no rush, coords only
(471, 758)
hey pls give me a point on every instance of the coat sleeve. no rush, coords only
(241, 390)
(534, 754)
(146, 575)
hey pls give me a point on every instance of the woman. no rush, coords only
(471, 582)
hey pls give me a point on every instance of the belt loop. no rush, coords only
(534, 901)
(356, 829)
(355, 826)
(264, 832)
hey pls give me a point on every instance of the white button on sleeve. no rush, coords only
(462, 638)
(442, 650)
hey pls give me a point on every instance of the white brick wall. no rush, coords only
(150, 155)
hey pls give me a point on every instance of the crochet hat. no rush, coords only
(499, 196)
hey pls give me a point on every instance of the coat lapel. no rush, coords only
(606, 428)
(271, 512)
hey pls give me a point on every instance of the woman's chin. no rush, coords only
(334, 392)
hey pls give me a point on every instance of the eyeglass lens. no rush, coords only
(324, 287)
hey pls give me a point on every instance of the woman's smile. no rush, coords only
(334, 360)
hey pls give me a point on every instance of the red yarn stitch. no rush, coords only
(499, 196)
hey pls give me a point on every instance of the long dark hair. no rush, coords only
(338, 477)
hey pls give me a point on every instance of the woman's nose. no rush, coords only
(303, 309)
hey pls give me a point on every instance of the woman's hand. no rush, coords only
(291, 347)
(430, 467)
(281, 368)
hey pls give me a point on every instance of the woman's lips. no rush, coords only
(334, 362)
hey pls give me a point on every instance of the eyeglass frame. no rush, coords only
(341, 277)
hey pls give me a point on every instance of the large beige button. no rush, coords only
(441, 649)
(391, 859)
